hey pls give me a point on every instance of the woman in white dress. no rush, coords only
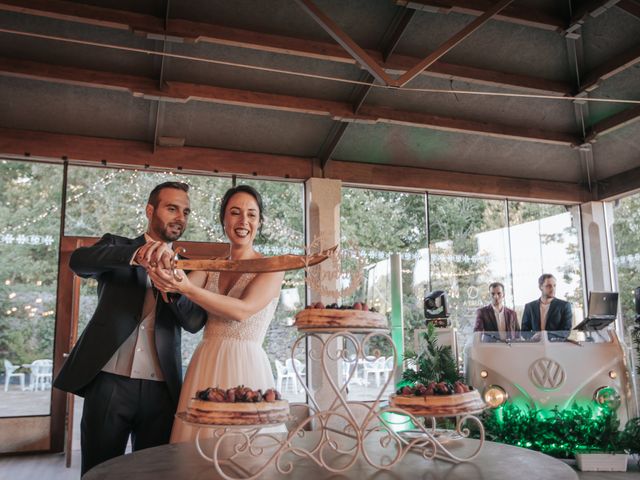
(240, 308)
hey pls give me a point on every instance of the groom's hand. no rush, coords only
(154, 254)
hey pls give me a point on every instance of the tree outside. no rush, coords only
(626, 236)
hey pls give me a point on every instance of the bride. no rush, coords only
(240, 307)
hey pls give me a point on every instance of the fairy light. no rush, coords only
(7, 282)
(38, 300)
(12, 295)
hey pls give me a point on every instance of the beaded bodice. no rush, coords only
(253, 329)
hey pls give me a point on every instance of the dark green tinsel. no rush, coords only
(434, 364)
(561, 433)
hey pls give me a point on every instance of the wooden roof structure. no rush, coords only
(530, 99)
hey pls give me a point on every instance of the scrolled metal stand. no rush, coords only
(342, 435)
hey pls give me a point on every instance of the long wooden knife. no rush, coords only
(278, 263)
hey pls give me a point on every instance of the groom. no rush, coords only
(127, 362)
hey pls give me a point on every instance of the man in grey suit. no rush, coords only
(548, 312)
(496, 319)
(127, 362)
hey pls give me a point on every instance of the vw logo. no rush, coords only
(546, 374)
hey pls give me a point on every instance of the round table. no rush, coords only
(496, 461)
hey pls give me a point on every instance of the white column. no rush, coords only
(598, 252)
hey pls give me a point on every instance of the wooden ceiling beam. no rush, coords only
(623, 183)
(451, 43)
(216, 34)
(346, 42)
(183, 92)
(614, 123)
(630, 6)
(513, 14)
(449, 124)
(439, 181)
(610, 68)
(86, 14)
(128, 153)
(593, 9)
(388, 44)
(81, 150)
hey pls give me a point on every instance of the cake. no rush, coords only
(317, 317)
(237, 406)
(433, 401)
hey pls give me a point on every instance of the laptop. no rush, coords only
(602, 310)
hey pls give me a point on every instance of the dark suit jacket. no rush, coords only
(486, 321)
(559, 316)
(121, 292)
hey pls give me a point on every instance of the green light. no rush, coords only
(397, 422)
(555, 432)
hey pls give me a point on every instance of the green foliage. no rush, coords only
(630, 436)
(434, 364)
(561, 433)
(626, 239)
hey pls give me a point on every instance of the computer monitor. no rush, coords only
(602, 310)
(603, 305)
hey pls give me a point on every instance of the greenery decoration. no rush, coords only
(434, 364)
(562, 433)
(635, 336)
(630, 436)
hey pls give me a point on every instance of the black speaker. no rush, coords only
(636, 293)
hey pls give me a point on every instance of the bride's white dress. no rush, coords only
(230, 354)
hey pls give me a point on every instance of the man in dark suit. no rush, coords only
(547, 313)
(495, 318)
(127, 362)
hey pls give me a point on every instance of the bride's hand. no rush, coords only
(165, 280)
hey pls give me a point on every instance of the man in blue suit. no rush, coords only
(547, 313)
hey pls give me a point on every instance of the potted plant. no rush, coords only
(626, 442)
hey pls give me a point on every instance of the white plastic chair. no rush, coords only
(388, 367)
(375, 367)
(298, 370)
(284, 377)
(347, 367)
(9, 369)
(42, 373)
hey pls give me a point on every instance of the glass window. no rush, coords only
(469, 249)
(379, 224)
(283, 232)
(101, 200)
(626, 241)
(30, 199)
(545, 239)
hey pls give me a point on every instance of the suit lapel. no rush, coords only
(551, 314)
(493, 321)
(141, 273)
(535, 314)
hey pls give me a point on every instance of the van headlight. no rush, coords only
(607, 396)
(495, 395)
